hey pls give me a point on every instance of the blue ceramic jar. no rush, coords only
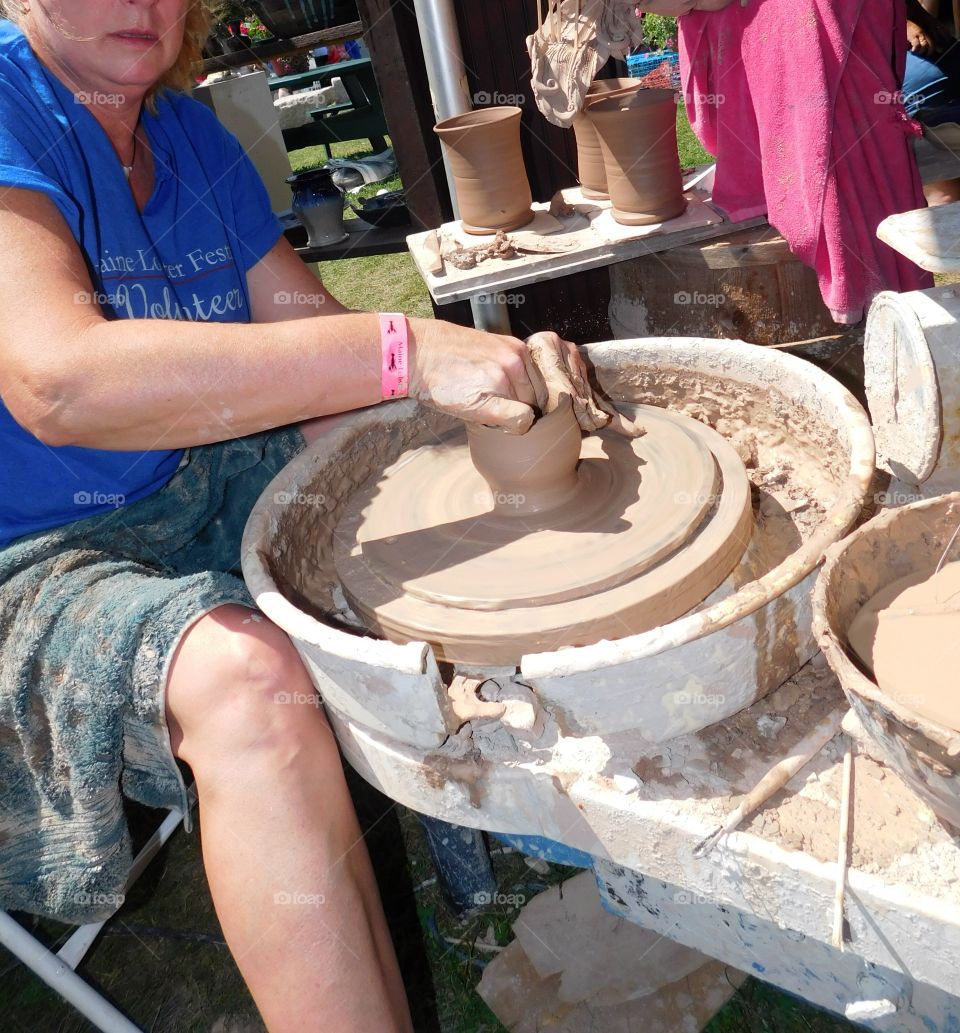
(318, 204)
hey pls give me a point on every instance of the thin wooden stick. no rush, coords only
(843, 845)
(775, 779)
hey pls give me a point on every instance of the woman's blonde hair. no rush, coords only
(200, 17)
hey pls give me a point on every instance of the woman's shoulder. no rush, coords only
(32, 105)
(19, 67)
(11, 37)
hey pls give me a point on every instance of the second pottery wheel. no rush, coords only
(490, 546)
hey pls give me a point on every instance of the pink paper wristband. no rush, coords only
(394, 347)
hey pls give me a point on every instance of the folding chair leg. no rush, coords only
(76, 947)
(63, 979)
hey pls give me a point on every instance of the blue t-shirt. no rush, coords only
(184, 257)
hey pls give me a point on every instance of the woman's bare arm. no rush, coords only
(72, 377)
(282, 286)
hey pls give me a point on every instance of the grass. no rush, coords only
(163, 960)
(692, 152)
(382, 283)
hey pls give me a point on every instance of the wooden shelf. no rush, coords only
(363, 240)
(267, 51)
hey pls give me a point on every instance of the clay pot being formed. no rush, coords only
(638, 138)
(483, 148)
(590, 168)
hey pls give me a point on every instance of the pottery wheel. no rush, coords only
(640, 532)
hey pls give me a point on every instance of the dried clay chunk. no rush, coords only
(908, 634)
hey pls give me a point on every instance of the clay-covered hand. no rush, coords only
(559, 370)
(476, 376)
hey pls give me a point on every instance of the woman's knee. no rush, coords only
(237, 681)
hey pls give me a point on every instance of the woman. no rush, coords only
(799, 103)
(154, 377)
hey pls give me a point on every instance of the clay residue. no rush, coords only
(725, 760)
(791, 454)
(909, 635)
(894, 833)
(888, 818)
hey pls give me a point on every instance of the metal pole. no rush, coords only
(443, 57)
(58, 975)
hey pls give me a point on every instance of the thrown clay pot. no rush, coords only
(590, 168)
(483, 148)
(490, 545)
(638, 138)
(532, 472)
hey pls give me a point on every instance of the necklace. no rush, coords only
(128, 169)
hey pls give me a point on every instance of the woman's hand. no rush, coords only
(501, 381)
(920, 42)
(476, 376)
(565, 373)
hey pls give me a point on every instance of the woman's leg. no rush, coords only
(284, 856)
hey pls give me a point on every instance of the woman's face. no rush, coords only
(109, 43)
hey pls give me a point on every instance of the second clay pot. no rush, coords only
(591, 171)
(638, 139)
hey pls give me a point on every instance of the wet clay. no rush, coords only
(908, 634)
(638, 138)
(590, 168)
(549, 540)
(794, 463)
(483, 149)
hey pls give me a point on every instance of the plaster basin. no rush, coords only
(809, 452)
(898, 542)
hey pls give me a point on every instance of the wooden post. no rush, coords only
(390, 33)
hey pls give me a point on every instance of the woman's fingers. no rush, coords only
(566, 373)
(506, 413)
(527, 382)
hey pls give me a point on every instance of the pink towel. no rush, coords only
(798, 100)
